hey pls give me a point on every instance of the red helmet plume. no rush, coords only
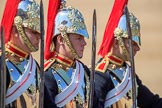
(53, 7)
(112, 23)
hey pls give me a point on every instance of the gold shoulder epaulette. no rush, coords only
(48, 63)
(102, 65)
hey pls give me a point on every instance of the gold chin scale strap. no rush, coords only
(18, 24)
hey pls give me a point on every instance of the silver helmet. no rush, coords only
(70, 20)
(28, 15)
(121, 30)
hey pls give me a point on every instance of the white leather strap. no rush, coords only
(73, 89)
(22, 83)
(119, 91)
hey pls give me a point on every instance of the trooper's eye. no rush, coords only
(79, 38)
(134, 43)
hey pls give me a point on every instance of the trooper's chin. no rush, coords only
(77, 56)
(128, 59)
(80, 57)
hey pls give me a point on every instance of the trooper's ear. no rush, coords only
(14, 31)
(60, 39)
(115, 43)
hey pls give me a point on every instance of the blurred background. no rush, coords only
(148, 62)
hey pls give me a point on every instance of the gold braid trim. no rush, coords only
(18, 24)
(14, 50)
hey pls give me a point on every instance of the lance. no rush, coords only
(41, 94)
(93, 58)
(133, 75)
(3, 70)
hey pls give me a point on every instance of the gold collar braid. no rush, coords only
(13, 50)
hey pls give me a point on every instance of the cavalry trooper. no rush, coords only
(21, 23)
(113, 76)
(66, 78)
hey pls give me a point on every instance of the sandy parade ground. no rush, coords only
(148, 61)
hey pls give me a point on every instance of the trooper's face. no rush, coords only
(33, 36)
(135, 46)
(78, 43)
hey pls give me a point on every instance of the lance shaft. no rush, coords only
(41, 95)
(93, 58)
(3, 70)
(133, 75)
